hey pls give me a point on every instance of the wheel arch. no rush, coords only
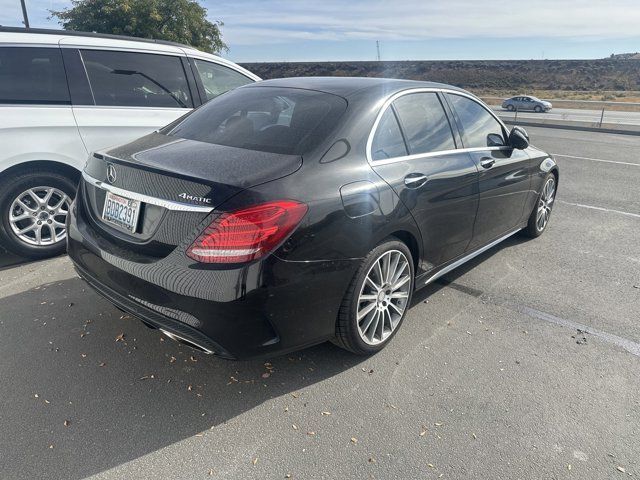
(43, 166)
(412, 244)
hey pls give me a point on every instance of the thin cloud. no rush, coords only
(256, 22)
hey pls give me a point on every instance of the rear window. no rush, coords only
(32, 76)
(268, 119)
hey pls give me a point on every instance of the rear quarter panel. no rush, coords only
(29, 133)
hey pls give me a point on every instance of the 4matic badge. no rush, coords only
(193, 198)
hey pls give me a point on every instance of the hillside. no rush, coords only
(502, 75)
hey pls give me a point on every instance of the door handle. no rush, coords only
(415, 180)
(487, 162)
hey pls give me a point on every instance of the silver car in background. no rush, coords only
(526, 102)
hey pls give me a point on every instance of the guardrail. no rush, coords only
(599, 114)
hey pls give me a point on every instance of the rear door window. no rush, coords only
(131, 79)
(478, 124)
(31, 75)
(217, 79)
(388, 141)
(424, 123)
(269, 119)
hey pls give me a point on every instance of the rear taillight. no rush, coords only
(247, 234)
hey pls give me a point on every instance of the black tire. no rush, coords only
(347, 333)
(511, 108)
(537, 109)
(533, 230)
(10, 189)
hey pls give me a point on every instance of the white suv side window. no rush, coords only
(32, 75)
(217, 79)
(137, 79)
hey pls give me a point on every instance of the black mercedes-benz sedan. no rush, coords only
(290, 212)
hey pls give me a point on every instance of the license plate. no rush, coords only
(121, 211)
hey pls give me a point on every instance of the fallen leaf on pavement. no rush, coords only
(423, 431)
(146, 377)
(120, 338)
(311, 433)
(354, 440)
(620, 469)
(266, 375)
(67, 423)
(255, 460)
(295, 427)
(326, 413)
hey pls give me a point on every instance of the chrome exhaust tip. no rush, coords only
(177, 338)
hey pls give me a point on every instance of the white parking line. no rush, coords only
(595, 159)
(629, 345)
(609, 210)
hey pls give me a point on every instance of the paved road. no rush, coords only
(592, 116)
(489, 378)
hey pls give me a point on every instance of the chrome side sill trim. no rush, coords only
(468, 257)
(161, 202)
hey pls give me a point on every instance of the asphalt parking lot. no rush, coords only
(523, 364)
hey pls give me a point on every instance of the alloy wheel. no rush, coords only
(383, 297)
(37, 216)
(545, 204)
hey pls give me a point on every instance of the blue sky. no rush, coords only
(300, 30)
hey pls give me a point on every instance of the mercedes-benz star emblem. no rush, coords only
(111, 173)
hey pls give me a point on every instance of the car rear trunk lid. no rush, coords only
(175, 183)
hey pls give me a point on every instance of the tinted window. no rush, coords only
(217, 79)
(32, 75)
(477, 122)
(277, 120)
(388, 141)
(424, 123)
(136, 79)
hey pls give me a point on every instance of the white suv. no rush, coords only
(64, 95)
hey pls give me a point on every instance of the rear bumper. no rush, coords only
(265, 308)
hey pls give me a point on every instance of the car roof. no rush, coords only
(347, 86)
(50, 37)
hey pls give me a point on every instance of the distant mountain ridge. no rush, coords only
(625, 56)
(516, 75)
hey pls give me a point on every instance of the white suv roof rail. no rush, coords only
(74, 33)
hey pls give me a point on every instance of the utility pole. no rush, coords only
(377, 47)
(24, 14)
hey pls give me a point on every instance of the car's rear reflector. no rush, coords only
(247, 234)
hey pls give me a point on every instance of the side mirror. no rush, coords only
(518, 138)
